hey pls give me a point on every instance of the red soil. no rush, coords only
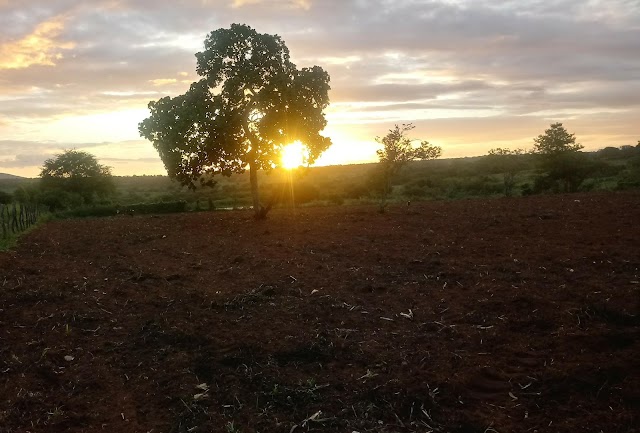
(472, 316)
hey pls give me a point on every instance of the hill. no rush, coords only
(5, 176)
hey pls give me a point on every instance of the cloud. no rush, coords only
(41, 147)
(22, 154)
(22, 160)
(41, 47)
(241, 3)
(303, 4)
(473, 61)
(163, 81)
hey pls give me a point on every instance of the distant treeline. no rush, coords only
(611, 168)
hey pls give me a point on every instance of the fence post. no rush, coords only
(14, 219)
(17, 218)
(6, 221)
(21, 218)
(2, 221)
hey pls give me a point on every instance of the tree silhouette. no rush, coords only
(397, 151)
(561, 157)
(251, 102)
(555, 140)
(78, 173)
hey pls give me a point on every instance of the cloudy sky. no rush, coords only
(470, 74)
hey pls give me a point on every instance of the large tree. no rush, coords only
(77, 173)
(561, 157)
(398, 150)
(250, 103)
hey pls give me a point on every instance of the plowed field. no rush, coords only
(505, 315)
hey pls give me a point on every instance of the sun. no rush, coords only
(293, 155)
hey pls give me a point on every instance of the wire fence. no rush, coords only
(16, 218)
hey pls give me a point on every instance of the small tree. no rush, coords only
(508, 162)
(251, 102)
(397, 151)
(561, 157)
(555, 140)
(75, 173)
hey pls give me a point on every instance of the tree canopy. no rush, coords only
(398, 150)
(251, 102)
(76, 172)
(555, 140)
(561, 157)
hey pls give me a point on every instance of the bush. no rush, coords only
(305, 192)
(481, 186)
(628, 184)
(413, 192)
(106, 210)
(356, 190)
(604, 169)
(336, 199)
(588, 185)
(5, 197)
(89, 211)
(154, 208)
(545, 184)
(59, 200)
(568, 170)
(291, 194)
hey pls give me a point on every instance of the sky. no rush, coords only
(471, 75)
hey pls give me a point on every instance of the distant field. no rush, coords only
(506, 315)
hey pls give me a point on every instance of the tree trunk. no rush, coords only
(259, 212)
(385, 191)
